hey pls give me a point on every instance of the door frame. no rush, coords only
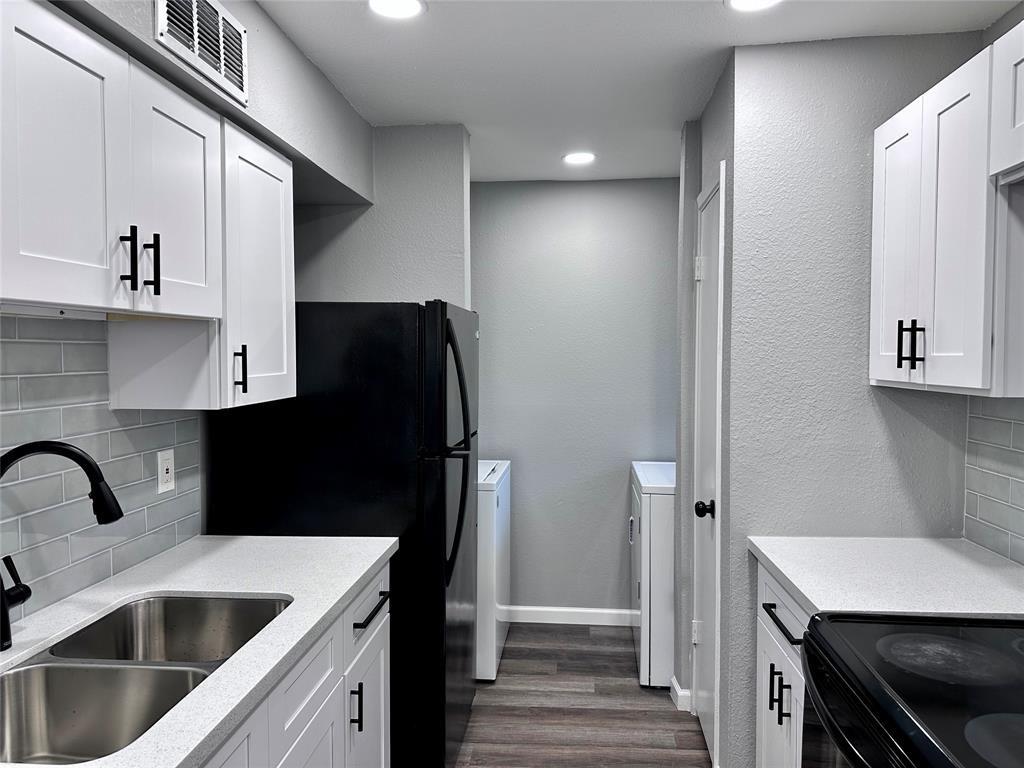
(705, 197)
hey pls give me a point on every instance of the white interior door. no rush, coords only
(707, 452)
(64, 162)
(260, 310)
(956, 229)
(177, 205)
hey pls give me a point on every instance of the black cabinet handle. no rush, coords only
(384, 595)
(769, 608)
(132, 238)
(155, 247)
(772, 672)
(244, 381)
(913, 329)
(358, 719)
(783, 687)
(701, 509)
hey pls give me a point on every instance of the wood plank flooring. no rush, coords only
(569, 696)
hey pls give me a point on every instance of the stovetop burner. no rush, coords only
(948, 659)
(999, 738)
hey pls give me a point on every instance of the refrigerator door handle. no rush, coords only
(449, 566)
(467, 437)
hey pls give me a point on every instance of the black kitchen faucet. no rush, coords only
(104, 507)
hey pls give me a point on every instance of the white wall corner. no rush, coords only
(545, 614)
(680, 696)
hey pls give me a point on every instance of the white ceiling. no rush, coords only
(534, 79)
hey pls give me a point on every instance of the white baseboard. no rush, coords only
(543, 614)
(680, 696)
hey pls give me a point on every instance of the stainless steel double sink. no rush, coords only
(99, 689)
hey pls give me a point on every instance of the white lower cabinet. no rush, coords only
(780, 681)
(321, 744)
(367, 713)
(318, 717)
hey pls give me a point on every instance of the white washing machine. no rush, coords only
(492, 579)
(652, 591)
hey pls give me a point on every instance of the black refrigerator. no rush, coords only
(380, 441)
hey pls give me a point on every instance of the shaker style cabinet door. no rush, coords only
(259, 322)
(956, 229)
(321, 744)
(895, 244)
(1007, 150)
(368, 709)
(176, 200)
(64, 162)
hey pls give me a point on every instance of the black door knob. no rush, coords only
(701, 509)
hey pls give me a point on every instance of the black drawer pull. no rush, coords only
(358, 719)
(769, 608)
(132, 238)
(155, 247)
(359, 625)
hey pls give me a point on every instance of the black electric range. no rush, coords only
(895, 691)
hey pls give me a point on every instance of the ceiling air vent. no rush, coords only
(208, 38)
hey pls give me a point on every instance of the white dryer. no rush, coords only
(651, 547)
(492, 579)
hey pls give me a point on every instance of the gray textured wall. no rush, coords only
(411, 244)
(575, 283)
(289, 98)
(814, 450)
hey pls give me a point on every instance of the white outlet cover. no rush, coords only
(165, 471)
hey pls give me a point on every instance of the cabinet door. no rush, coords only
(322, 743)
(771, 736)
(368, 703)
(64, 162)
(260, 290)
(895, 242)
(1007, 150)
(956, 228)
(176, 195)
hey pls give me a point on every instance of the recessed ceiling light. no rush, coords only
(397, 9)
(751, 5)
(579, 158)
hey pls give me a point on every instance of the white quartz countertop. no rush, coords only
(952, 576)
(321, 575)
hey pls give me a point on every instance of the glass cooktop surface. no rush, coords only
(960, 679)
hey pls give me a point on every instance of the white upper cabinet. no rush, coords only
(1007, 150)
(936, 294)
(176, 200)
(259, 322)
(248, 356)
(895, 243)
(64, 164)
(956, 242)
(111, 178)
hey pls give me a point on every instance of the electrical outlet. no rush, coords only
(165, 471)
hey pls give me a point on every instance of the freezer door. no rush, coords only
(463, 328)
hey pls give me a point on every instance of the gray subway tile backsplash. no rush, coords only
(994, 475)
(54, 386)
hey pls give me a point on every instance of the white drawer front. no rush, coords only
(786, 609)
(296, 699)
(359, 612)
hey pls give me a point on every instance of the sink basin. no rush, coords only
(70, 713)
(175, 629)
